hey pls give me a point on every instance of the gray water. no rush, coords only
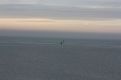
(44, 59)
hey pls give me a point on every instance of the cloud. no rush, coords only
(105, 26)
(59, 12)
(67, 2)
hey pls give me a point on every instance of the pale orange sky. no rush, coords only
(113, 26)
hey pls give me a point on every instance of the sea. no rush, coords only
(34, 58)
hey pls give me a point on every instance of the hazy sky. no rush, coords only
(100, 16)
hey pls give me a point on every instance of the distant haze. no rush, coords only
(57, 34)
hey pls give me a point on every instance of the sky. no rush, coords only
(91, 16)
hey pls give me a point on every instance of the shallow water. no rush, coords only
(30, 59)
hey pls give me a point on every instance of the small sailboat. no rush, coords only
(62, 43)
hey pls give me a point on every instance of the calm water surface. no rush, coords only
(45, 59)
